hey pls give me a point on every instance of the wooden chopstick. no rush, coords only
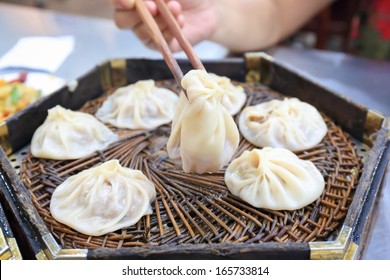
(158, 39)
(177, 32)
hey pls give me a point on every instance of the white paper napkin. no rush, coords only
(38, 53)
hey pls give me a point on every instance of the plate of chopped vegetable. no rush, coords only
(18, 90)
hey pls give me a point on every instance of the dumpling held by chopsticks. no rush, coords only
(204, 134)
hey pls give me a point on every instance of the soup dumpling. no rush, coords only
(142, 105)
(274, 178)
(66, 134)
(103, 199)
(204, 135)
(288, 123)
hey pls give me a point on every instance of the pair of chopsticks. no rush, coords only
(159, 40)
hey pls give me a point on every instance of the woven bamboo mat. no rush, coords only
(192, 208)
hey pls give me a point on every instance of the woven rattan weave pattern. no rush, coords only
(192, 208)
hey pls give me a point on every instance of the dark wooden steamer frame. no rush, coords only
(364, 125)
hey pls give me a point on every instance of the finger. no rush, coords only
(162, 24)
(142, 31)
(123, 4)
(130, 5)
(126, 19)
(167, 34)
(180, 20)
(175, 8)
(151, 5)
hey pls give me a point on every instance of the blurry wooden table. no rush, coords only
(97, 40)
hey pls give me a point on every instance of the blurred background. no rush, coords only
(334, 28)
(97, 8)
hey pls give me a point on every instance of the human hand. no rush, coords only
(197, 18)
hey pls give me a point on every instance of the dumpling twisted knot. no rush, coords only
(204, 134)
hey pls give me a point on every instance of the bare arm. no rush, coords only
(247, 25)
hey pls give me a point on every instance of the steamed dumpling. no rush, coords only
(232, 97)
(66, 134)
(204, 135)
(290, 124)
(274, 178)
(139, 106)
(103, 199)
